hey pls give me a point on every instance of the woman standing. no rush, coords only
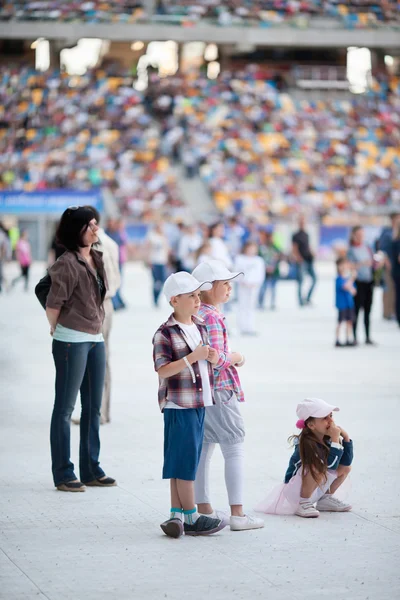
(75, 313)
(395, 263)
(361, 257)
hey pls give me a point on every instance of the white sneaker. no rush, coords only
(307, 510)
(246, 522)
(329, 503)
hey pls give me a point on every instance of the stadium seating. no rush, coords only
(60, 132)
(353, 14)
(259, 150)
(256, 149)
(267, 13)
(91, 11)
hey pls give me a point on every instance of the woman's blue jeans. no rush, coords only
(79, 367)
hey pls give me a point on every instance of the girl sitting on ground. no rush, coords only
(320, 463)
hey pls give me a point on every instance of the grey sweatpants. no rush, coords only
(223, 425)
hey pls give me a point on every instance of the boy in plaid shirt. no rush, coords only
(183, 360)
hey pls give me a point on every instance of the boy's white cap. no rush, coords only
(183, 283)
(314, 407)
(214, 270)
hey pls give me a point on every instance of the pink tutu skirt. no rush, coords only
(284, 498)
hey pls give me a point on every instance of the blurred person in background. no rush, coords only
(5, 251)
(251, 232)
(189, 244)
(304, 259)
(110, 255)
(385, 245)
(344, 300)
(116, 231)
(395, 262)
(176, 233)
(271, 256)
(219, 248)
(75, 312)
(361, 257)
(248, 287)
(24, 257)
(203, 254)
(157, 256)
(234, 236)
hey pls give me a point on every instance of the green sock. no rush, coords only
(176, 513)
(191, 516)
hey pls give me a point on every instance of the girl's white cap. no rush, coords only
(314, 407)
(214, 270)
(183, 283)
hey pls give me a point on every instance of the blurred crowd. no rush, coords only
(258, 150)
(59, 131)
(352, 14)
(90, 11)
(266, 257)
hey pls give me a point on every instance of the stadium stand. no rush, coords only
(61, 132)
(353, 14)
(91, 11)
(260, 150)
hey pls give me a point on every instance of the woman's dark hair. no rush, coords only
(354, 230)
(313, 453)
(73, 225)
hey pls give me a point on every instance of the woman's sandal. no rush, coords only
(102, 482)
(71, 486)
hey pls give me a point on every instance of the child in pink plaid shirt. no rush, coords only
(223, 422)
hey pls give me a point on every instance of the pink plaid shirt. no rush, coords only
(226, 376)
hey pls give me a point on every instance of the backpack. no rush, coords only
(42, 289)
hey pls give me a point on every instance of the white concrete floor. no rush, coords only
(108, 544)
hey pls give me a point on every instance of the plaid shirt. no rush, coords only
(169, 345)
(226, 376)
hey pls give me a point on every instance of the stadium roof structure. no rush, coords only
(282, 36)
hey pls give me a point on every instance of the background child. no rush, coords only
(223, 422)
(323, 453)
(181, 355)
(345, 292)
(253, 268)
(24, 258)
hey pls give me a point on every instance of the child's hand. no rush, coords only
(344, 434)
(201, 352)
(213, 356)
(334, 432)
(235, 357)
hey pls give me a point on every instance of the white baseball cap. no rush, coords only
(214, 270)
(314, 407)
(183, 283)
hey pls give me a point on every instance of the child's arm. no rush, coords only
(349, 286)
(347, 457)
(176, 366)
(336, 450)
(216, 337)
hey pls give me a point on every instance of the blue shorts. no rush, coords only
(183, 440)
(346, 314)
